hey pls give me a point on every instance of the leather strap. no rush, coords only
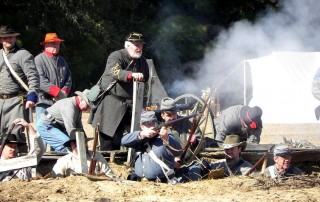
(14, 73)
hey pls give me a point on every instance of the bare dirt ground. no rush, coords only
(252, 188)
(80, 188)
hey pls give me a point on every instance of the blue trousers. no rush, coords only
(52, 135)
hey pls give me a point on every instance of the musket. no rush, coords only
(195, 124)
(179, 107)
(93, 161)
(265, 155)
(172, 122)
(5, 138)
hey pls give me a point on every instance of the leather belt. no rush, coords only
(8, 96)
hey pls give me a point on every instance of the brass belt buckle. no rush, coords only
(5, 97)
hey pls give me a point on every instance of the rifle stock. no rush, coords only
(265, 155)
(93, 161)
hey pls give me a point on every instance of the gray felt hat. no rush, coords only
(84, 95)
(233, 141)
(168, 104)
(281, 150)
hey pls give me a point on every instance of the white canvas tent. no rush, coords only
(281, 86)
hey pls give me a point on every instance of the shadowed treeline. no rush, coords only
(177, 32)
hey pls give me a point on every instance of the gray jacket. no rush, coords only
(229, 121)
(23, 64)
(66, 114)
(55, 76)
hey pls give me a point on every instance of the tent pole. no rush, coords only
(244, 83)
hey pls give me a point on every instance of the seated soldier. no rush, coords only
(151, 146)
(10, 151)
(180, 130)
(233, 164)
(70, 163)
(282, 167)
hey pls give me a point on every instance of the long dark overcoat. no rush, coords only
(114, 106)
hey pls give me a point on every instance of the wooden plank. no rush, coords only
(19, 162)
(82, 152)
(137, 105)
(253, 154)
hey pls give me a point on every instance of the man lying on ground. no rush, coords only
(10, 151)
(70, 163)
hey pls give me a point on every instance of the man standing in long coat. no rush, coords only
(115, 111)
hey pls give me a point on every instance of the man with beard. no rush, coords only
(115, 110)
(282, 166)
(233, 164)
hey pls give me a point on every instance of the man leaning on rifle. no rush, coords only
(70, 164)
(10, 151)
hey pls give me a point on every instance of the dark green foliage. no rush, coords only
(176, 31)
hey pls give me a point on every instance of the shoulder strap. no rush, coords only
(165, 168)
(236, 165)
(14, 73)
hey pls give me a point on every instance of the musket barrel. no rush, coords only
(169, 123)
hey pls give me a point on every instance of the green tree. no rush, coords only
(176, 31)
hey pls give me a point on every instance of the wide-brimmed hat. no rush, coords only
(281, 150)
(148, 117)
(251, 116)
(73, 137)
(12, 139)
(84, 95)
(233, 141)
(135, 38)
(51, 37)
(168, 104)
(5, 31)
